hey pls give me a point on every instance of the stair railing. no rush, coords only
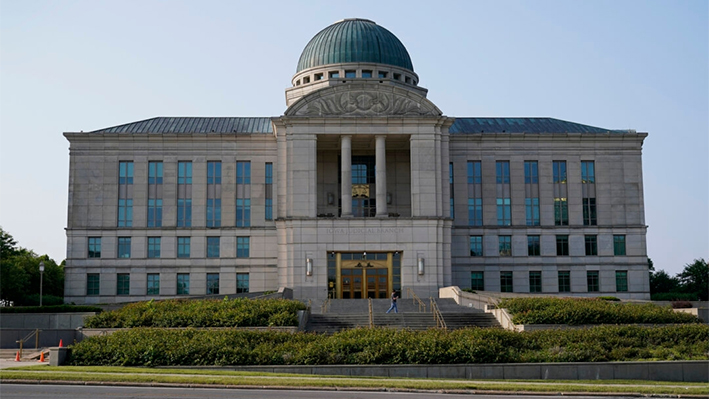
(437, 316)
(416, 299)
(325, 306)
(27, 338)
(371, 314)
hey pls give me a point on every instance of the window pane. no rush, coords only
(477, 281)
(535, 281)
(153, 284)
(621, 281)
(183, 284)
(506, 282)
(619, 245)
(212, 283)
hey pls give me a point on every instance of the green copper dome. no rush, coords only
(354, 40)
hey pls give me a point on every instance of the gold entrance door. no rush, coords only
(352, 284)
(362, 275)
(377, 283)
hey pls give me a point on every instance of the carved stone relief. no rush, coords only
(365, 103)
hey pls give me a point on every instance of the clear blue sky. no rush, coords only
(84, 65)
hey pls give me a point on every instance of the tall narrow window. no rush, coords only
(212, 247)
(123, 284)
(154, 194)
(504, 207)
(564, 281)
(533, 246)
(505, 245)
(619, 245)
(591, 245)
(93, 284)
(535, 281)
(506, 284)
(214, 194)
(561, 206)
(592, 281)
(476, 245)
(475, 195)
(531, 190)
(588, 193)
(242, 247)
(124, 247)
(184, 194)
(153, 284)
(621, 281)
(451, 189)
(331, 275)
(94, 247)
(125, 194)
(154, 247)
(184, 247)
(477, 281)
(212, 283)
(243, 194)
(242, 283)
(269, 192)
(562, 245)
(183, 283)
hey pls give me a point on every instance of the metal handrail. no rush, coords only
(415, 299)
(437, 316)
(371, 314)
(325, 305)
(27, 337)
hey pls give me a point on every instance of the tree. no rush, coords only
(662, 282)
(695, 279)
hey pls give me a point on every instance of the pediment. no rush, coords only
(363, 100)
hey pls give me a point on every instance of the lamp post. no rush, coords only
(41, 275)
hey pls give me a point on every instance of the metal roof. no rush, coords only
(193, 125)
(523, 125)
(354, 40)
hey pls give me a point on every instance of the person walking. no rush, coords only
(394, 297)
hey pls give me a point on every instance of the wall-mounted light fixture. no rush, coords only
(389, 198)
(330, 198)
(308, 266)
(364, 255)
(420, 266)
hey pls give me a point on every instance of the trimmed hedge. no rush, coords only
(51, 309)
(577, 311)
(192, 347)
(239, 312)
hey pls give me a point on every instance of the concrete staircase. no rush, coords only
(352, 313)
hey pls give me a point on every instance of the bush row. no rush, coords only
(239, 312)
(192, 347)
(51, 309)
(576, 311)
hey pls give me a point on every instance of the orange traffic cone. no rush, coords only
(41, 357)
(17, 357)
(61, 343)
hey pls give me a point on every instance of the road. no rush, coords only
(23, 391)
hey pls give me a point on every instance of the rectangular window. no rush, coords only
(477, 281)
(243, 194)
(184, 245)
(589, 212)
(502, 172)
(124, 247)
(531, 172)
(382, 75)
(591, 245)
(183, 283)
(153, 284)
(535, 281)
(366, 74)
(154, 247)
(212, 283)
(559, 171)
(214, 194)
(475, 211)
(621, 281)
(123, 284)
(92, 284)
(505, 245)
(533, 246)
(564, 281)
(350, 74)
(506, 282)
(561, 207)
(242, 283)
(619, 245)
(474, 172)
(561, 212)
(451, 186)
(562, 245)
(531, 208)
(504, 212)
(475, 200)
(214, 212)
(592, 281)
(184, 194)
(94, 247)
(125, 194)
(476, 245)
(588, 173)
(154, 194)
(269, 191)
(334, 75)
(242, 247)
(212, 247)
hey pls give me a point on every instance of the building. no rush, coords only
(361, 187)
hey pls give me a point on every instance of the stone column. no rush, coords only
(381, 176)
(346, 157)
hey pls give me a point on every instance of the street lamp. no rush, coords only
(41, 274)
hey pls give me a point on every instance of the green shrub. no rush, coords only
(163, 347)
(51, 309)
(579, 311)
(239, 312)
